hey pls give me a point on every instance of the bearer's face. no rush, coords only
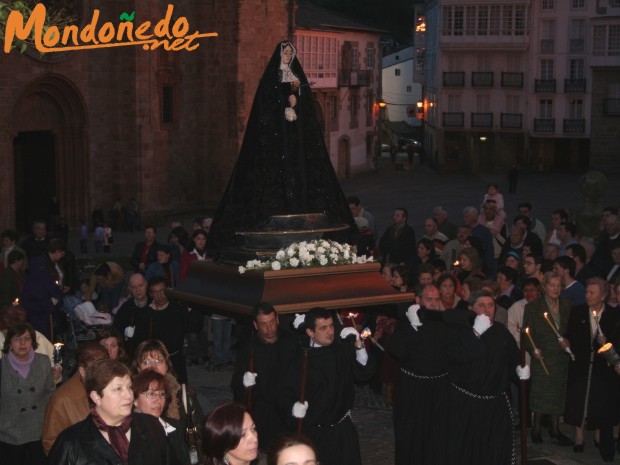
(323, 333)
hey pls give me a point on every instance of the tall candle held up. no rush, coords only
(553, 327)
(534, 348)
(596, 320)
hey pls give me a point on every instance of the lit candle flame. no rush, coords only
(456, 263)
(16, 302)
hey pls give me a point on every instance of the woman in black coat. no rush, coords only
(592, 388)
(111, 433)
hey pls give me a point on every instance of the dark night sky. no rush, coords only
(391, 15)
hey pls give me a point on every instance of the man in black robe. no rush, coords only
(167, 321)
(258, 367)
(481, 361)
(421, 410)
(328, 376)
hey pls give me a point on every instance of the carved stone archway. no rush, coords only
(52, 105)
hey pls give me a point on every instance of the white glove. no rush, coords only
(299, 319)
(299, 409)
(412, 316)
(54, 301)
(481, 324)
(348, 331)
(249, 378)
(523, 372)
(129, 330)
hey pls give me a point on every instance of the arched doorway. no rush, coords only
(344, 155)
(50, 158)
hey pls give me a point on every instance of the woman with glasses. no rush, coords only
(548, 391)
(151, 396)
(111, 433)
(153, 355)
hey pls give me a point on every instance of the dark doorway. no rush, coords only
(35, 176)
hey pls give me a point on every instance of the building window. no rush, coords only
(546, 69)
(513, 104)
(507, 20)
(606, 40)
(575, 109)
(576, 68)
(494, 20)
(483, 20)
(548, 5)
(578, 4)
(513, 63)
(354, 102)
(167, 104)
(446, 21)
(318, 55)
(370, 56)
(545, 109)
(397, 72)
(333, 107)
(458, 21)
(408, 88)
(520, 20)
(470, 21)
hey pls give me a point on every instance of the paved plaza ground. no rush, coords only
(419, 190)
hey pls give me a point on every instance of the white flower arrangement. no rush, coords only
(308, 254)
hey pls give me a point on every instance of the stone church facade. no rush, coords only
(94, 126)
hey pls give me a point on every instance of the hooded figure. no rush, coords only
(283, 166)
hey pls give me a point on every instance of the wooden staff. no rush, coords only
(151, 329)
(522, 402)
(51, 328)
(302, 387)
(251, 370)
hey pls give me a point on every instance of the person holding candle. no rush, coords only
(548, 391)
(591, 396)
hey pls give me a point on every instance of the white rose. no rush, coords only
(323, 260)
(291, 251)
(275, 265)
(294, 262)
(241, 270)
(346, 254)
(320, 250)
(280, 255)
(334, 257)
(324, 244)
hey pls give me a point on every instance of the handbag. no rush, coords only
(192, 438)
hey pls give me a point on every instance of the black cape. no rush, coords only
(270, 361)
(421, 407)
(330, 393)
(480, 430)
(283, 167)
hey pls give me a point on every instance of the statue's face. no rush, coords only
(287, 55)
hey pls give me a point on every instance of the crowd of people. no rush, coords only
(448, 359)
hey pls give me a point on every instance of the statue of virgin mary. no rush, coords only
(283, 167)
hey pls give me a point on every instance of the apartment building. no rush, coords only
(528, 82)
(342, 61)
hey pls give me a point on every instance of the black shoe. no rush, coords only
(561, 439)
(536, 438)
(578, 448)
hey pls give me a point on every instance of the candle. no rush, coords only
(366, 333)
(57, 348)
(553, 327)
(456, 263)
(598, 326)
(15, 302)
(352, 317)
(559, 336)
(535, 349)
